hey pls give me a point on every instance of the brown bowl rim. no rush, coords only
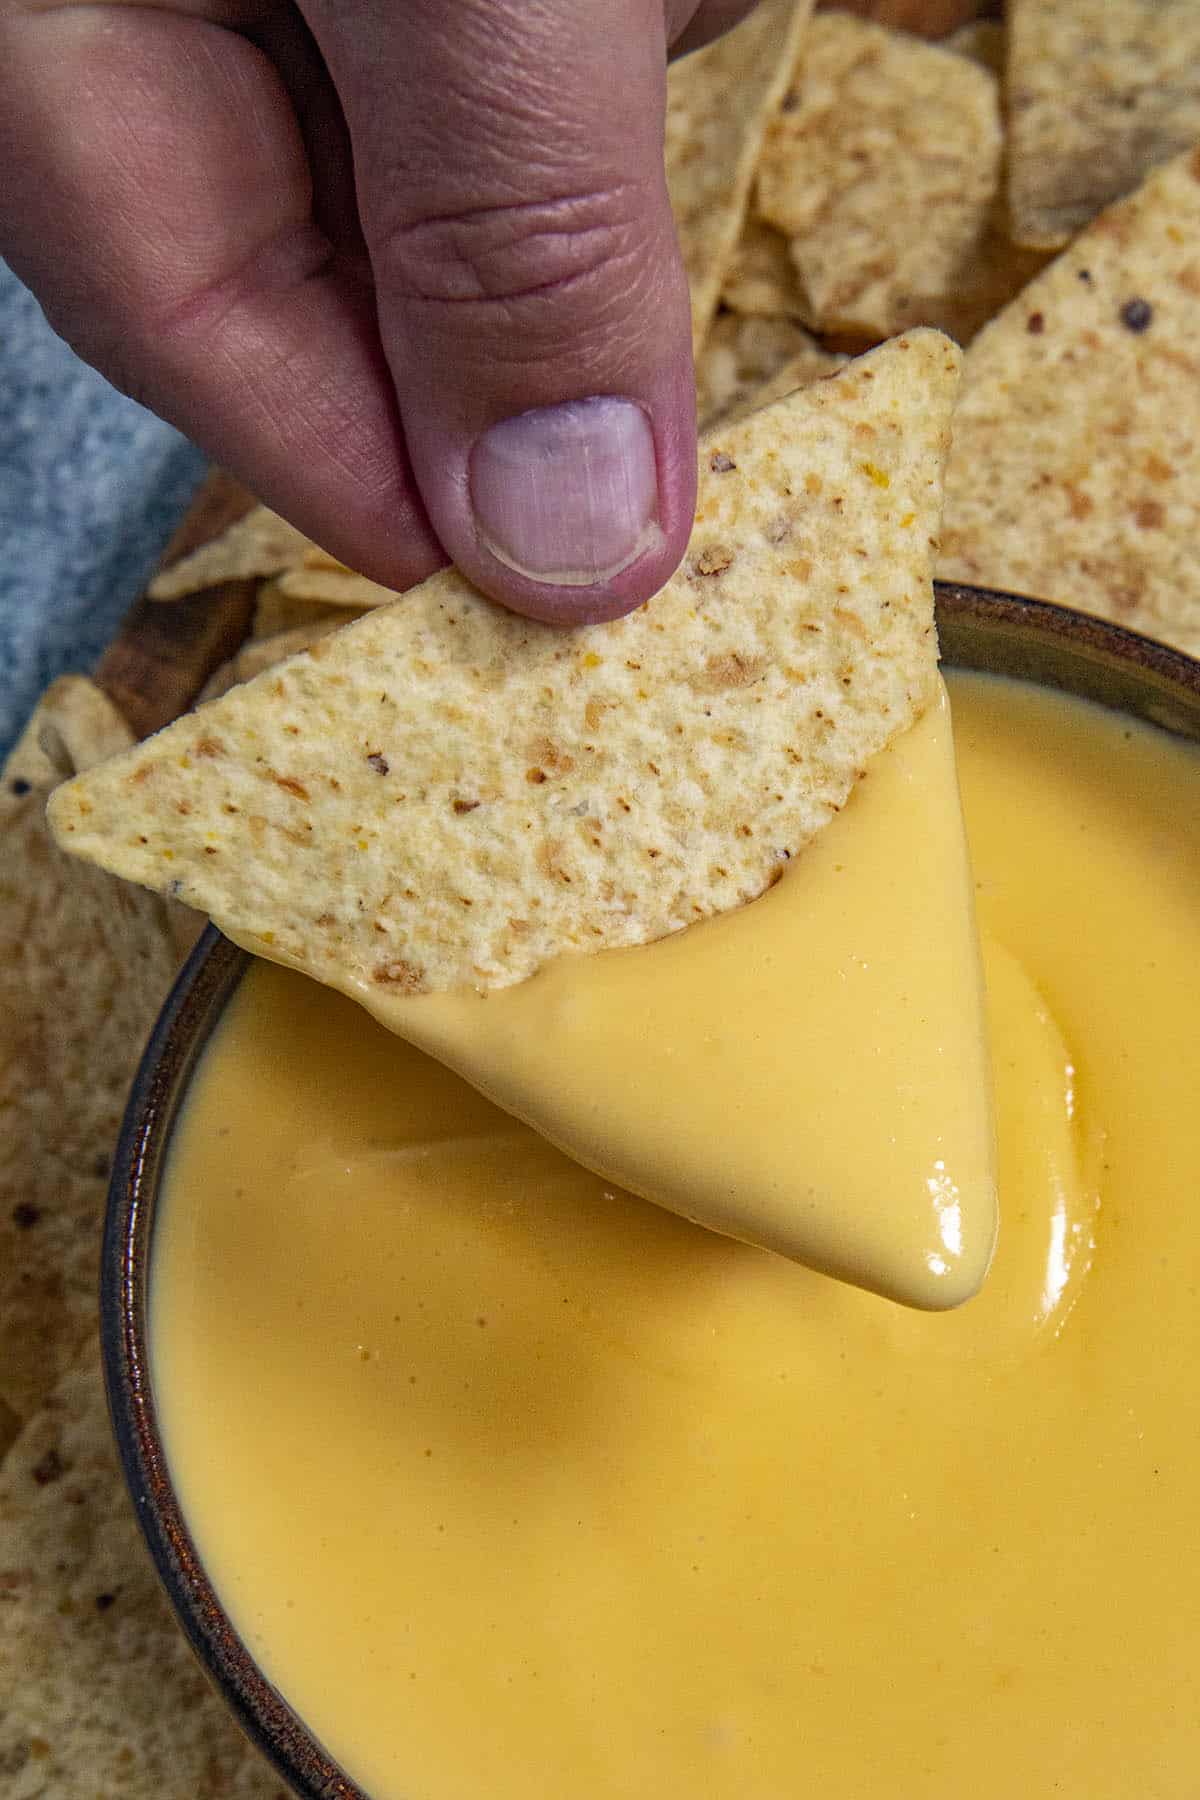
(1051, 645)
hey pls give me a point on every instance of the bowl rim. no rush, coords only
(1051, 645)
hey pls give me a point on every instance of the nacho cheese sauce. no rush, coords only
(517, 1485)
(809, 1073)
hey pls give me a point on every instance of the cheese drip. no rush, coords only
(808, 1074)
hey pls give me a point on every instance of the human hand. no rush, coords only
(407, 267)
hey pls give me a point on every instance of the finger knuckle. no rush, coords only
(514, 257)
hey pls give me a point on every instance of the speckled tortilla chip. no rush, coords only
(75, 718)
(761, 280)
(444, 794)
(99, 1693)
(1073, 473)
(85, 963)
(1099, 93)
(741, 354)
(719, 102)
(261, 543)
(881, 168)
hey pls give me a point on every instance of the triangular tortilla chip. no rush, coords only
(74, 717)
(444, 794)
(100, 1693)
(261, 543)
(881, 167)
(719, 102)
(85, 963)
(1099, 93)
(1072, 475)
(741, 354)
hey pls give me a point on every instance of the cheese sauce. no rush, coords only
(809, 1073)
(516, 1485)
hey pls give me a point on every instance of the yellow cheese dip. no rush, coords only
(517, 1486)
(809, 1074)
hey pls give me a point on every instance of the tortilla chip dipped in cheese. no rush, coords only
(435, 807)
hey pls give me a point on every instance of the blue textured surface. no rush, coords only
(91, 487)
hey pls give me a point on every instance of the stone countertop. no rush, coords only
(91, 487)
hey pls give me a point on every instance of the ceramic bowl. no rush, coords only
(979, 630)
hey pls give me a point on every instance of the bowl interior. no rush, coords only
(997, 633)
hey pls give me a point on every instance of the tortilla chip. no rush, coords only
(74, 716)
(185, 926)
(1073, 473)
(444, 794)
(261, 543)
(335, 587)
(1099, 93)
(995, 269)
(740, 355)
(100, 1694)
(85, 964)
(258, 654)
(276, 611)
(881, 167)
(761, 281)
(719, 102)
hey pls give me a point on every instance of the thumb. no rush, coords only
(532, 304)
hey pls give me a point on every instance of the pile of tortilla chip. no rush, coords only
(99, 1693)
(835, 181)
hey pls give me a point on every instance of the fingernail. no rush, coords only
(568, 494)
